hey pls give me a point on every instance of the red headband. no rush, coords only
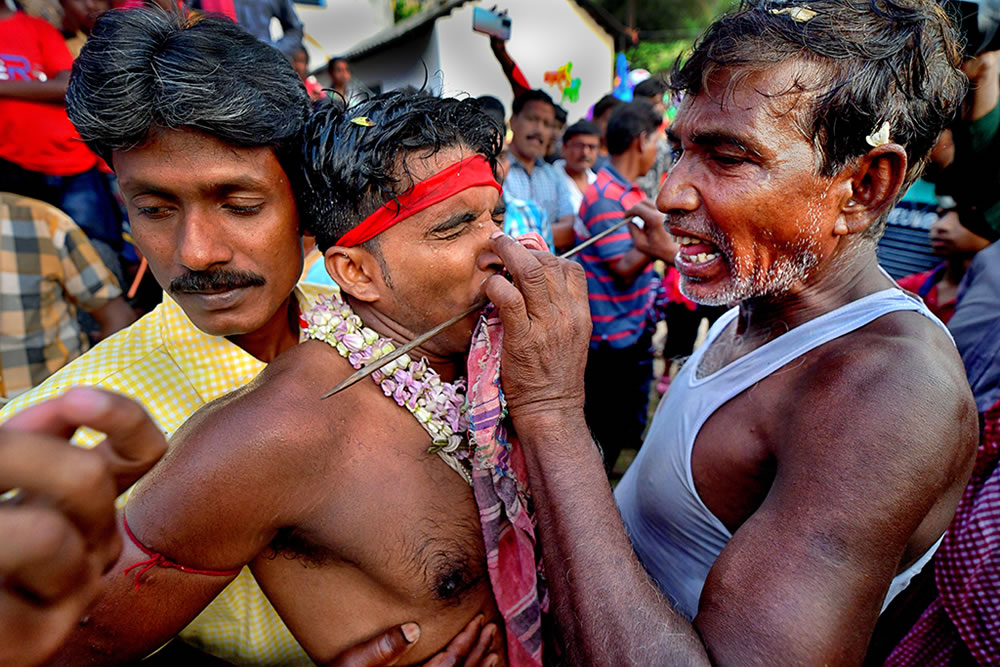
(471, 172)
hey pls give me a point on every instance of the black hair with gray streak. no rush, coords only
(146, 70)
(865, 63)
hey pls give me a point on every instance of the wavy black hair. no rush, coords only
(143, 70)
(867, 62)
(356, 160)
(628, 123)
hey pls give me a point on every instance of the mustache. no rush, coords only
(699, 228)
(194, 282)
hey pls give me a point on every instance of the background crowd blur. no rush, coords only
(579, 156)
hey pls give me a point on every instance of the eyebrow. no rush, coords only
(219, 190)
(500, 209)
(715, 138)
(456, 220)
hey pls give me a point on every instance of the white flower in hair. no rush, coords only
(797, 14)
(879, 137)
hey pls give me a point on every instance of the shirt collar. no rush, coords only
(213, 364)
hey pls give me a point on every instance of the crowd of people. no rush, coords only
(817, 485)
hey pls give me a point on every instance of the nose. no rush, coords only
(678, 193)
(201, 242)
(488, 261)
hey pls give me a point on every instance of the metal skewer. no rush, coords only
(370, 368)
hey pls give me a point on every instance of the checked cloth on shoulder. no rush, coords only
(964, 619)
(499, 483)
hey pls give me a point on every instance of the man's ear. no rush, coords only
(356, 271)
(874, 186)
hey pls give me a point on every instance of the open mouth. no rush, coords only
(696, 251)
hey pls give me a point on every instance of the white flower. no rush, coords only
(879, 137)
(355, 342)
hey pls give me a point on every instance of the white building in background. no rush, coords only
(545, 35)
(333, 27)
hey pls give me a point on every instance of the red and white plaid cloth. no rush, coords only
(964, 619)
(499, 483)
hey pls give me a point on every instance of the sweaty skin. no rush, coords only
(337, 506)
(834, 473)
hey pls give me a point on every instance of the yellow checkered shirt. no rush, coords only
(174, 368)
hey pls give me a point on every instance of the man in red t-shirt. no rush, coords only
(41, 154)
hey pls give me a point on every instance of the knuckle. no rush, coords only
(91, 475)
(534, 274)
(52, 535)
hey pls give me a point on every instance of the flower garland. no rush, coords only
(438, 406)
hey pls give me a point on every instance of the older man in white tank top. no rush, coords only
(808, 459)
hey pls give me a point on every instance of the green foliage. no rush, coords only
(679, 17)
(656, 57)
(404, 9)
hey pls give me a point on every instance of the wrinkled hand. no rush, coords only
(59, 531)
(653, 239)
(468, 648)
(546, 319)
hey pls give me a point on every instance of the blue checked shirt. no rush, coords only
(544, 187)
(523, 217)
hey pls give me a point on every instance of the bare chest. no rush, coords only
(394, 537)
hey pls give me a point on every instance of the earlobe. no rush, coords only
(352, 269)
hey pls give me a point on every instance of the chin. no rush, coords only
(224, 324)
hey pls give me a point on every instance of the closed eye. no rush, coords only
(244, 210)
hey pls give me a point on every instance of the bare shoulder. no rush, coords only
(266, 444)
(895, 388)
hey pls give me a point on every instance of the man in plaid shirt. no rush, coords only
(50, 269)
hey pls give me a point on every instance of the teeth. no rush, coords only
(686, 240)
(703, 257)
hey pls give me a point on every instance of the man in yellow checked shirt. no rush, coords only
(215, 215)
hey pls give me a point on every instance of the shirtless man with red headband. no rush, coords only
(354, 513)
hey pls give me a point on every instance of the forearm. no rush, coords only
(562, 233)
(607, 608)
(53, 90)
(628, 268)
(126, 623)
(509, 67)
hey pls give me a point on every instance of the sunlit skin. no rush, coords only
(827, 477)
(197, 204)
(447, 245)
(336, 505)
(745, 184)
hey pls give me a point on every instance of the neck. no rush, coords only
(627, 164)
(277, 335)
(448, 367)
(527, 162)
(579, 177)
(833, 285)
(957, 266)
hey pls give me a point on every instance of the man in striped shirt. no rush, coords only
(621, 283)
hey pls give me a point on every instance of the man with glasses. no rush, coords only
(580, 146)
